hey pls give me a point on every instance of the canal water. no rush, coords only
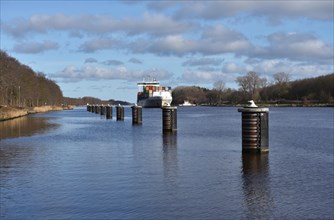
(78, 165)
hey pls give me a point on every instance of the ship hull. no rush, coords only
(154, 102)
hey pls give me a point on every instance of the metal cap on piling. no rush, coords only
(137, 115)
(255, 128)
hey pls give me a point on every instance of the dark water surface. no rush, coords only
(77, 165)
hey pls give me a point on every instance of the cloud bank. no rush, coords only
(201, 36)
(76, 74)
(35, 47)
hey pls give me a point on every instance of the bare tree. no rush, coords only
(282, 84)
(251, 83)
(219, 86)
(281, 78)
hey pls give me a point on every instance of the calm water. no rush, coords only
(77, 165)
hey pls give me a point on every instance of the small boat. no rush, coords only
(187, 103)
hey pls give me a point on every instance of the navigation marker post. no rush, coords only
(119, 112)
(255, 128)
(169, 118)
(137, 115)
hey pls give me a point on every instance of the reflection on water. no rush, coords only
(169, 140)
(170, 154)
(256, 186)
(24, 126)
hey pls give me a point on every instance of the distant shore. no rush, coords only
(10, 112)
(267, 105)
(280, 105)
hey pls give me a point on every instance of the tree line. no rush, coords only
(93, 101)
(318, 90)
(21, 86)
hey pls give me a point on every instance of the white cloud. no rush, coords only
(272, 10)
(153, 24)
(296, 47)
(186, 29)
(200, 76)
(214, 40)
(192, 76)
(136, 61)
(161, 5)
(112, 62)
(231, 67)
(203, 62)
(97, 44)
(92, 73)
(161, 34)
(271, 66)
(35, 47)
(219, 39)
(296, 69)
(173, 44)
(91, 60)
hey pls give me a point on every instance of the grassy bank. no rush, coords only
(7, 112)
(47, 108)
(11, 112)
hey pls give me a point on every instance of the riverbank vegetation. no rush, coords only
(317, 91)
(10, 112)
(92, 100)
(21, 86)
(23, 91)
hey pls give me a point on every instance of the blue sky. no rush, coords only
(102, 48)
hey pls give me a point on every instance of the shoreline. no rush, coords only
(279, 105)
(329, 105)
(10, 112)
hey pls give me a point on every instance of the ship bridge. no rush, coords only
(148, 83)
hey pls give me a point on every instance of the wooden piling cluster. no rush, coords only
(101, 110)
(169, 115)
(255, 123)
(107, 110)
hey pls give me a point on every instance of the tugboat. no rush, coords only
(152, 95)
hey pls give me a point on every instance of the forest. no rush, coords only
(304, 92)
(21, 86)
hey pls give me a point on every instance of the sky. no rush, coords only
(103, 48)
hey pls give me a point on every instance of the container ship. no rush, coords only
(152, 95)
